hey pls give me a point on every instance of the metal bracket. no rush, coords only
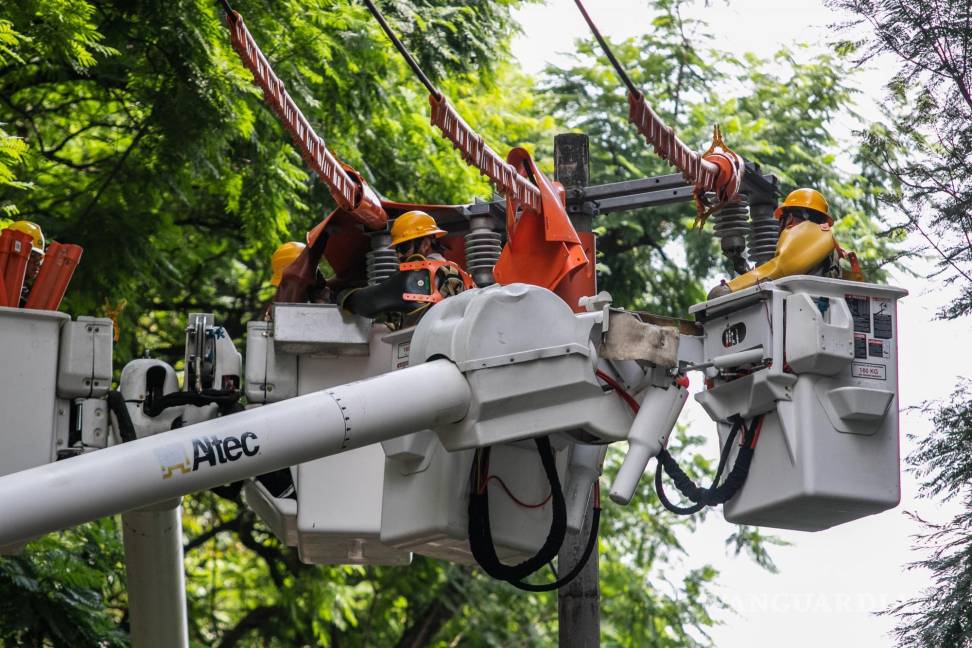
(523, 356)
(596, 200)
(600, 304)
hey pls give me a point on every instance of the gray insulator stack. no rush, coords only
(382, 263)
(732, 229)
(765, 232)
(483, 247)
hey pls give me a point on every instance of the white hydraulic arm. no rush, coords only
(166, 466)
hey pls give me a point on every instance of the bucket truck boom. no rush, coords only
(169, 465)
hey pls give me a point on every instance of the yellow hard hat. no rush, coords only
(807, 198)
(32, 230)
(282, 257)
(412, 225)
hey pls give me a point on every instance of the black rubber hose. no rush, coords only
(716, 493)
(116, 404)
(481, 538)
(572, 574)
(226, 400)
(737, 477)
(667, 503)
(684, 483)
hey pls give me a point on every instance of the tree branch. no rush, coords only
(142, 131)
(433, 617)
(70, 136)
(252, 620)
(947, 258)
(203, 538)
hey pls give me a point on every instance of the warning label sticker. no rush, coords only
(860, 311)
(869, 371)
(402, 350)
(881, 313)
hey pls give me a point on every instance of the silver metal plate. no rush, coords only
(319, 329)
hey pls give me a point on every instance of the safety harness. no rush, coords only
(437, 271)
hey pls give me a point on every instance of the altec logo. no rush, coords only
(214, 450)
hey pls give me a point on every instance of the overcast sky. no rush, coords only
(831, 582)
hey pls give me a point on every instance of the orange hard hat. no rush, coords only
(412, 225)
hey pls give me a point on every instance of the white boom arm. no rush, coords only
(168, 465)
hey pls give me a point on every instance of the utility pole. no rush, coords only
(579, 602)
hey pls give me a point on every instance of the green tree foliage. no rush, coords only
(12, 148)
(65, 590)
(925, 147)
(940, 615)
(926, 143)
(149, 145)
(253, 591)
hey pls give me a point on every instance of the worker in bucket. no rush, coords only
(806, 246)
(424, 275)
(283, 257)
(36, 258)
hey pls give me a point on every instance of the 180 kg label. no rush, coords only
(870, 371)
